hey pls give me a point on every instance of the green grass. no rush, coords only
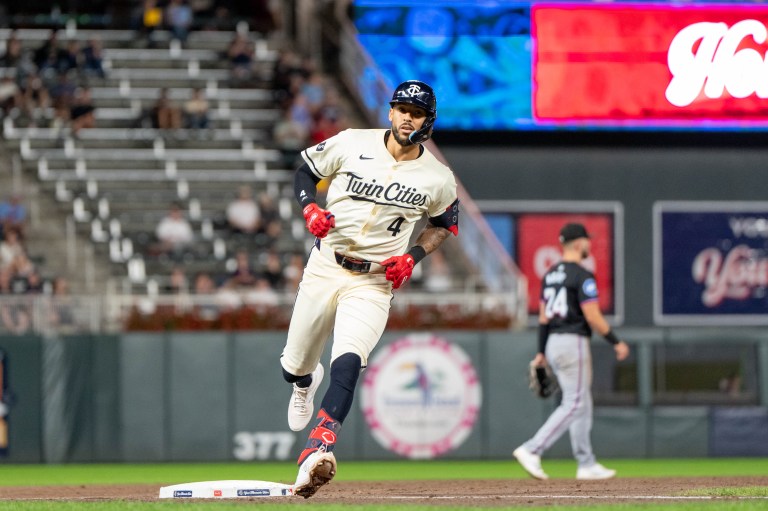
(171, 473)
(747, 491)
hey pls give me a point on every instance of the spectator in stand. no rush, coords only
(69, 59)
(313, 89)
(13, 51)
(174, 232)
(177, 282)
(165, 114)
(262, 297)
(60, 313)
(11, 249)
(324, 128)
(36, 97)
(196, 110)
(23, 272)
(81, 113)
(34, 282)
(301, 114)
(62, 95)
(290, 138)
(13, 216)
(271, 226)
(293, 271)
(241, 54)
(93, 61)
(46, 55)
(10, 96)
(151, 19)
(273, 270)
(206, 287)
(221, 19)
(179, 17)
(15, 316)
(243, 215)
(287, 67)
(242, 276)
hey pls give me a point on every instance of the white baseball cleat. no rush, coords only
(530, 462)
(316, 471)
(302, 406)
(594, 473)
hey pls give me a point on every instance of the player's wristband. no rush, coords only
(543, 335)
(611, 337)
(418, 253)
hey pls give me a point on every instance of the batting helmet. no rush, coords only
(414, 92)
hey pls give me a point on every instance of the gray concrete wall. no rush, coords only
(215, 396)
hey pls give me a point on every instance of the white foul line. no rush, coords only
(583, 497)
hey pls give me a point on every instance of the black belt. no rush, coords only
(351, 264)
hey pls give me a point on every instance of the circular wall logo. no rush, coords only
(421, 396)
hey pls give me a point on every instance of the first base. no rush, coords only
(226, 490)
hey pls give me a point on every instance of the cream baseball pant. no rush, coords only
(355, 306)
(571, 360)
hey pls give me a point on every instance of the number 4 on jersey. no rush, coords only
(394, 227)
(557, 303)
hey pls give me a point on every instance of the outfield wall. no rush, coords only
(218, 396)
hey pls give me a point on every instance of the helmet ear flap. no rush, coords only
(422, 134)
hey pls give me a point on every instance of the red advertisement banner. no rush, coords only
(538, 249)
(640, 62)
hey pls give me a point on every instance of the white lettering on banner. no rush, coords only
(717, 64)
(736, 277)
(749, 227)
(259, 445)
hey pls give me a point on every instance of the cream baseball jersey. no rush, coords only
(377, 200)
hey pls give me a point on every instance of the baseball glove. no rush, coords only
(542, 381)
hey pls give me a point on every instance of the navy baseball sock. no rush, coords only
(345, 371)
(300, 381)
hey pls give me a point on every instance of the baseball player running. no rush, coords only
(381, 183)
(568, 312)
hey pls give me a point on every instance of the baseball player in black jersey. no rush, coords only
(568, 312)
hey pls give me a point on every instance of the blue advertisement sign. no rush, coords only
(710, 263)
(477, 56)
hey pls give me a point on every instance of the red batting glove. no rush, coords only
(319, 220)
(399, 269)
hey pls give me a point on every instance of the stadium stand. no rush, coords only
(172, 127)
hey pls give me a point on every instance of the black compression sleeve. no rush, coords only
(543, 335)
(305, 185)
(611, 337)
(418, 253)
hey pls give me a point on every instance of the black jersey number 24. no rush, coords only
(394, 227)
(556, 302)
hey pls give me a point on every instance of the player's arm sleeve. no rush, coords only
(305, 185)
(446, 213)
(326, 158)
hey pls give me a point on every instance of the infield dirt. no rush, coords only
(478, 493)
